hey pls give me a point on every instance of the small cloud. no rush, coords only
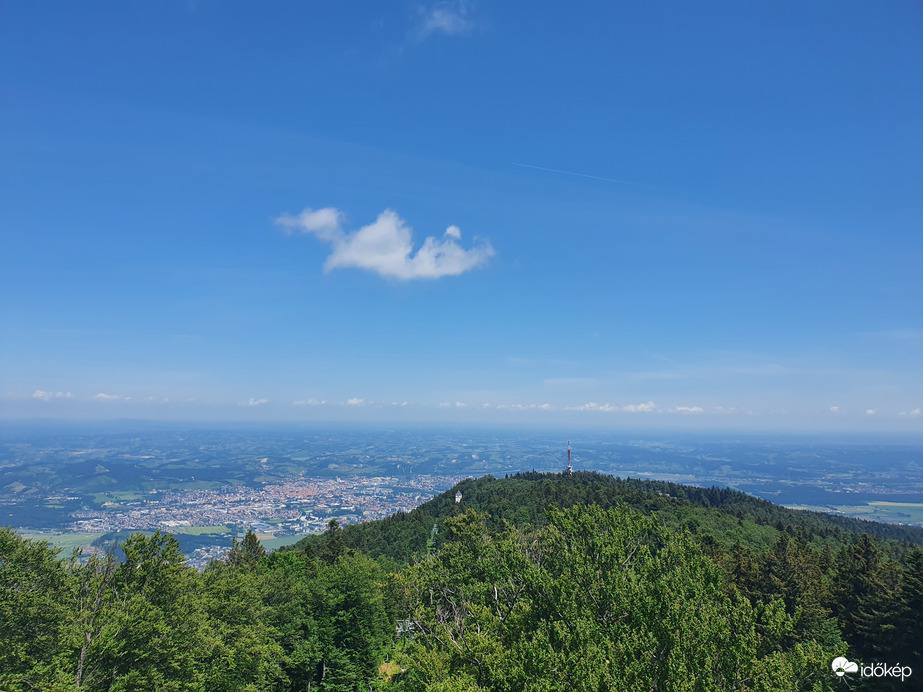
(386, 246)
(325, 223)
(444, 404)
(687, 409)
(640, 408)
(593, 406)
(449, 18)
(255, 402)
(48, 396)
(834, 409)
(309, 402)
(912, 414)
(870, 412)
(460, 404)
(355, 401)
(398, 403)
(111, 397)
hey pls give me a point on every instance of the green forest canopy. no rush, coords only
(534, 582)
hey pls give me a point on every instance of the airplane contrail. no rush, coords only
(586, 175)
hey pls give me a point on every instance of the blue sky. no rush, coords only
(671, 214)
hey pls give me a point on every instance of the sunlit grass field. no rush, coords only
(65, 541)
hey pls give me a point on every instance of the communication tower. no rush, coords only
(569, 471)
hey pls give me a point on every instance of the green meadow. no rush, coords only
(66, 542)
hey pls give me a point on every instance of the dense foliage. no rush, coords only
(538, 592)
(726, 515)
(149, 622)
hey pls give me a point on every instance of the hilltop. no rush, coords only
(722, 515)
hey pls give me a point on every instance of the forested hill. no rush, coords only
(722, 515)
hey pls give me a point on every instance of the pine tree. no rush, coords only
(246, 553)
(867, 598)
(910, 630)
(334, 544)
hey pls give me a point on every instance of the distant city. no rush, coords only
(292, 507)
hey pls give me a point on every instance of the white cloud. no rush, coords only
(48, 396)
(111, 397)
(255, 402)
(325, 223)
(446, 17)
(870, 412)
(386, 246)
(686, 409)
(912, 414)
(593, 406)
(640, 408)
(522, 407)
(309, 402)
(834, 409)
(460, 404)
(355, 401)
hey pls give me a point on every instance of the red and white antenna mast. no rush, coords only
(569, 471)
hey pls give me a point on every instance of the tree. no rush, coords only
(35, 610)
(95, 595)
(910, 639)
(353, 627)
(334, 544)
(246, 553)
(867, 591)
(154, 631)
(243, 650)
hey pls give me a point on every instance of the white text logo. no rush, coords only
(842, 665)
